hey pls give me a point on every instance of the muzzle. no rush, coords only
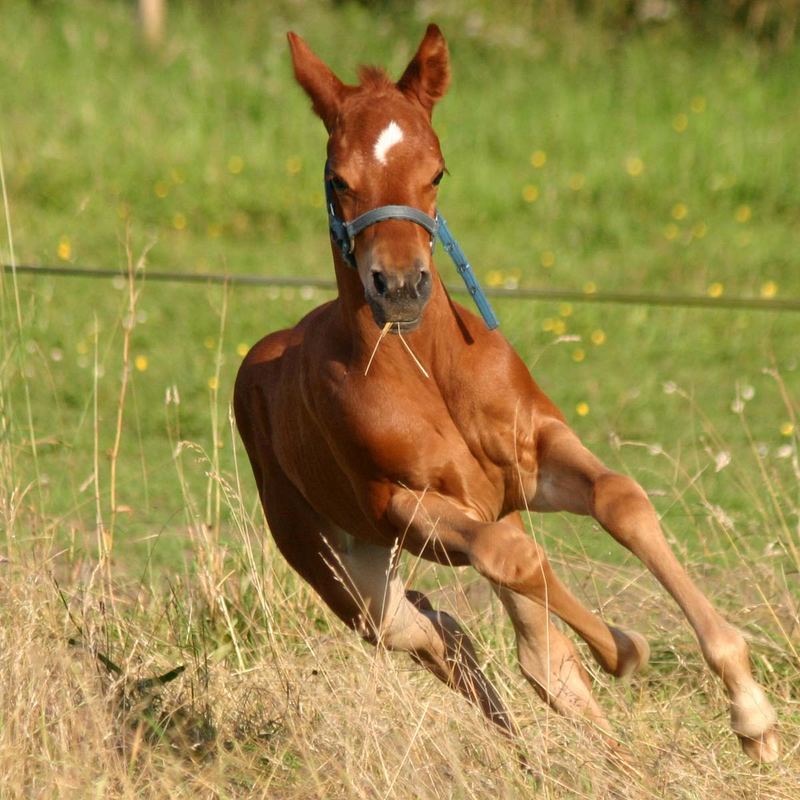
(344, 234)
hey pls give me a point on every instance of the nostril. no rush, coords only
(423, 282)
(379, 282)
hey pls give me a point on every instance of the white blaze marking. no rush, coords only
(389, 137)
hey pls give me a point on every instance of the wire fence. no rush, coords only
(518, 293)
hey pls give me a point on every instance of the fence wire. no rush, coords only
(518, 293)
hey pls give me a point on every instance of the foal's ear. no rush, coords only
(316, 77)
(428, 75)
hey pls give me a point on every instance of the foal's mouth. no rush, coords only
(396, 325)
(405, 325)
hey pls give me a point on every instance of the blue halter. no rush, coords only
(344, 234)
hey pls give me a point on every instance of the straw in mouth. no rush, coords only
(384, 331)
(387, 326)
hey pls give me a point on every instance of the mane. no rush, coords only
(374, 78)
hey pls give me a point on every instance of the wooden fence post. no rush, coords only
(152, 14)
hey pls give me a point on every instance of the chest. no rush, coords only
(458, 440)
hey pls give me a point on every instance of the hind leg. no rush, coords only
(549, 660)
(618, 652)
(388, 615)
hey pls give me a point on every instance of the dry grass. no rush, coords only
(277, 700)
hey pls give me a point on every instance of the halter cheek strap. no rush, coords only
(344, 234)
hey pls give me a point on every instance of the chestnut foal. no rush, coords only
(352, 463)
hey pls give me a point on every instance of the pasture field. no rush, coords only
(655, 161)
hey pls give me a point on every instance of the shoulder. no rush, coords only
(271, 349)
(491, 367)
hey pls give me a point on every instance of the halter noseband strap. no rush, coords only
(368, 218)
(344, 234)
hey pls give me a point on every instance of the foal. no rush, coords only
(350, 462)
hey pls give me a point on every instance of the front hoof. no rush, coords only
(765, 749)
(632, 653)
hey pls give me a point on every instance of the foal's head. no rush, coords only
(382, 151)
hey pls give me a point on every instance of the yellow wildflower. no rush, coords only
(577, 181)
(64, 248)
(634, 166)
(582, 408)
(494, 277)
(769, 289)
(715, 289)
(680, 123)
(548, 258)
(530, 193)
(538, 158)
(698, 104)
(598, 337)
(679, 211)
(141, 363)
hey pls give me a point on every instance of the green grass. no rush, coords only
(207, 153)
(627, 400)
(119, 125)
(95, 128)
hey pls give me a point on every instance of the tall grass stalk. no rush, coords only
(8, 466)
(134, 270)
(213, 493)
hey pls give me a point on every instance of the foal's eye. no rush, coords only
(339, 184)
(438, 179)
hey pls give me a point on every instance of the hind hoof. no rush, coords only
(753, 721)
